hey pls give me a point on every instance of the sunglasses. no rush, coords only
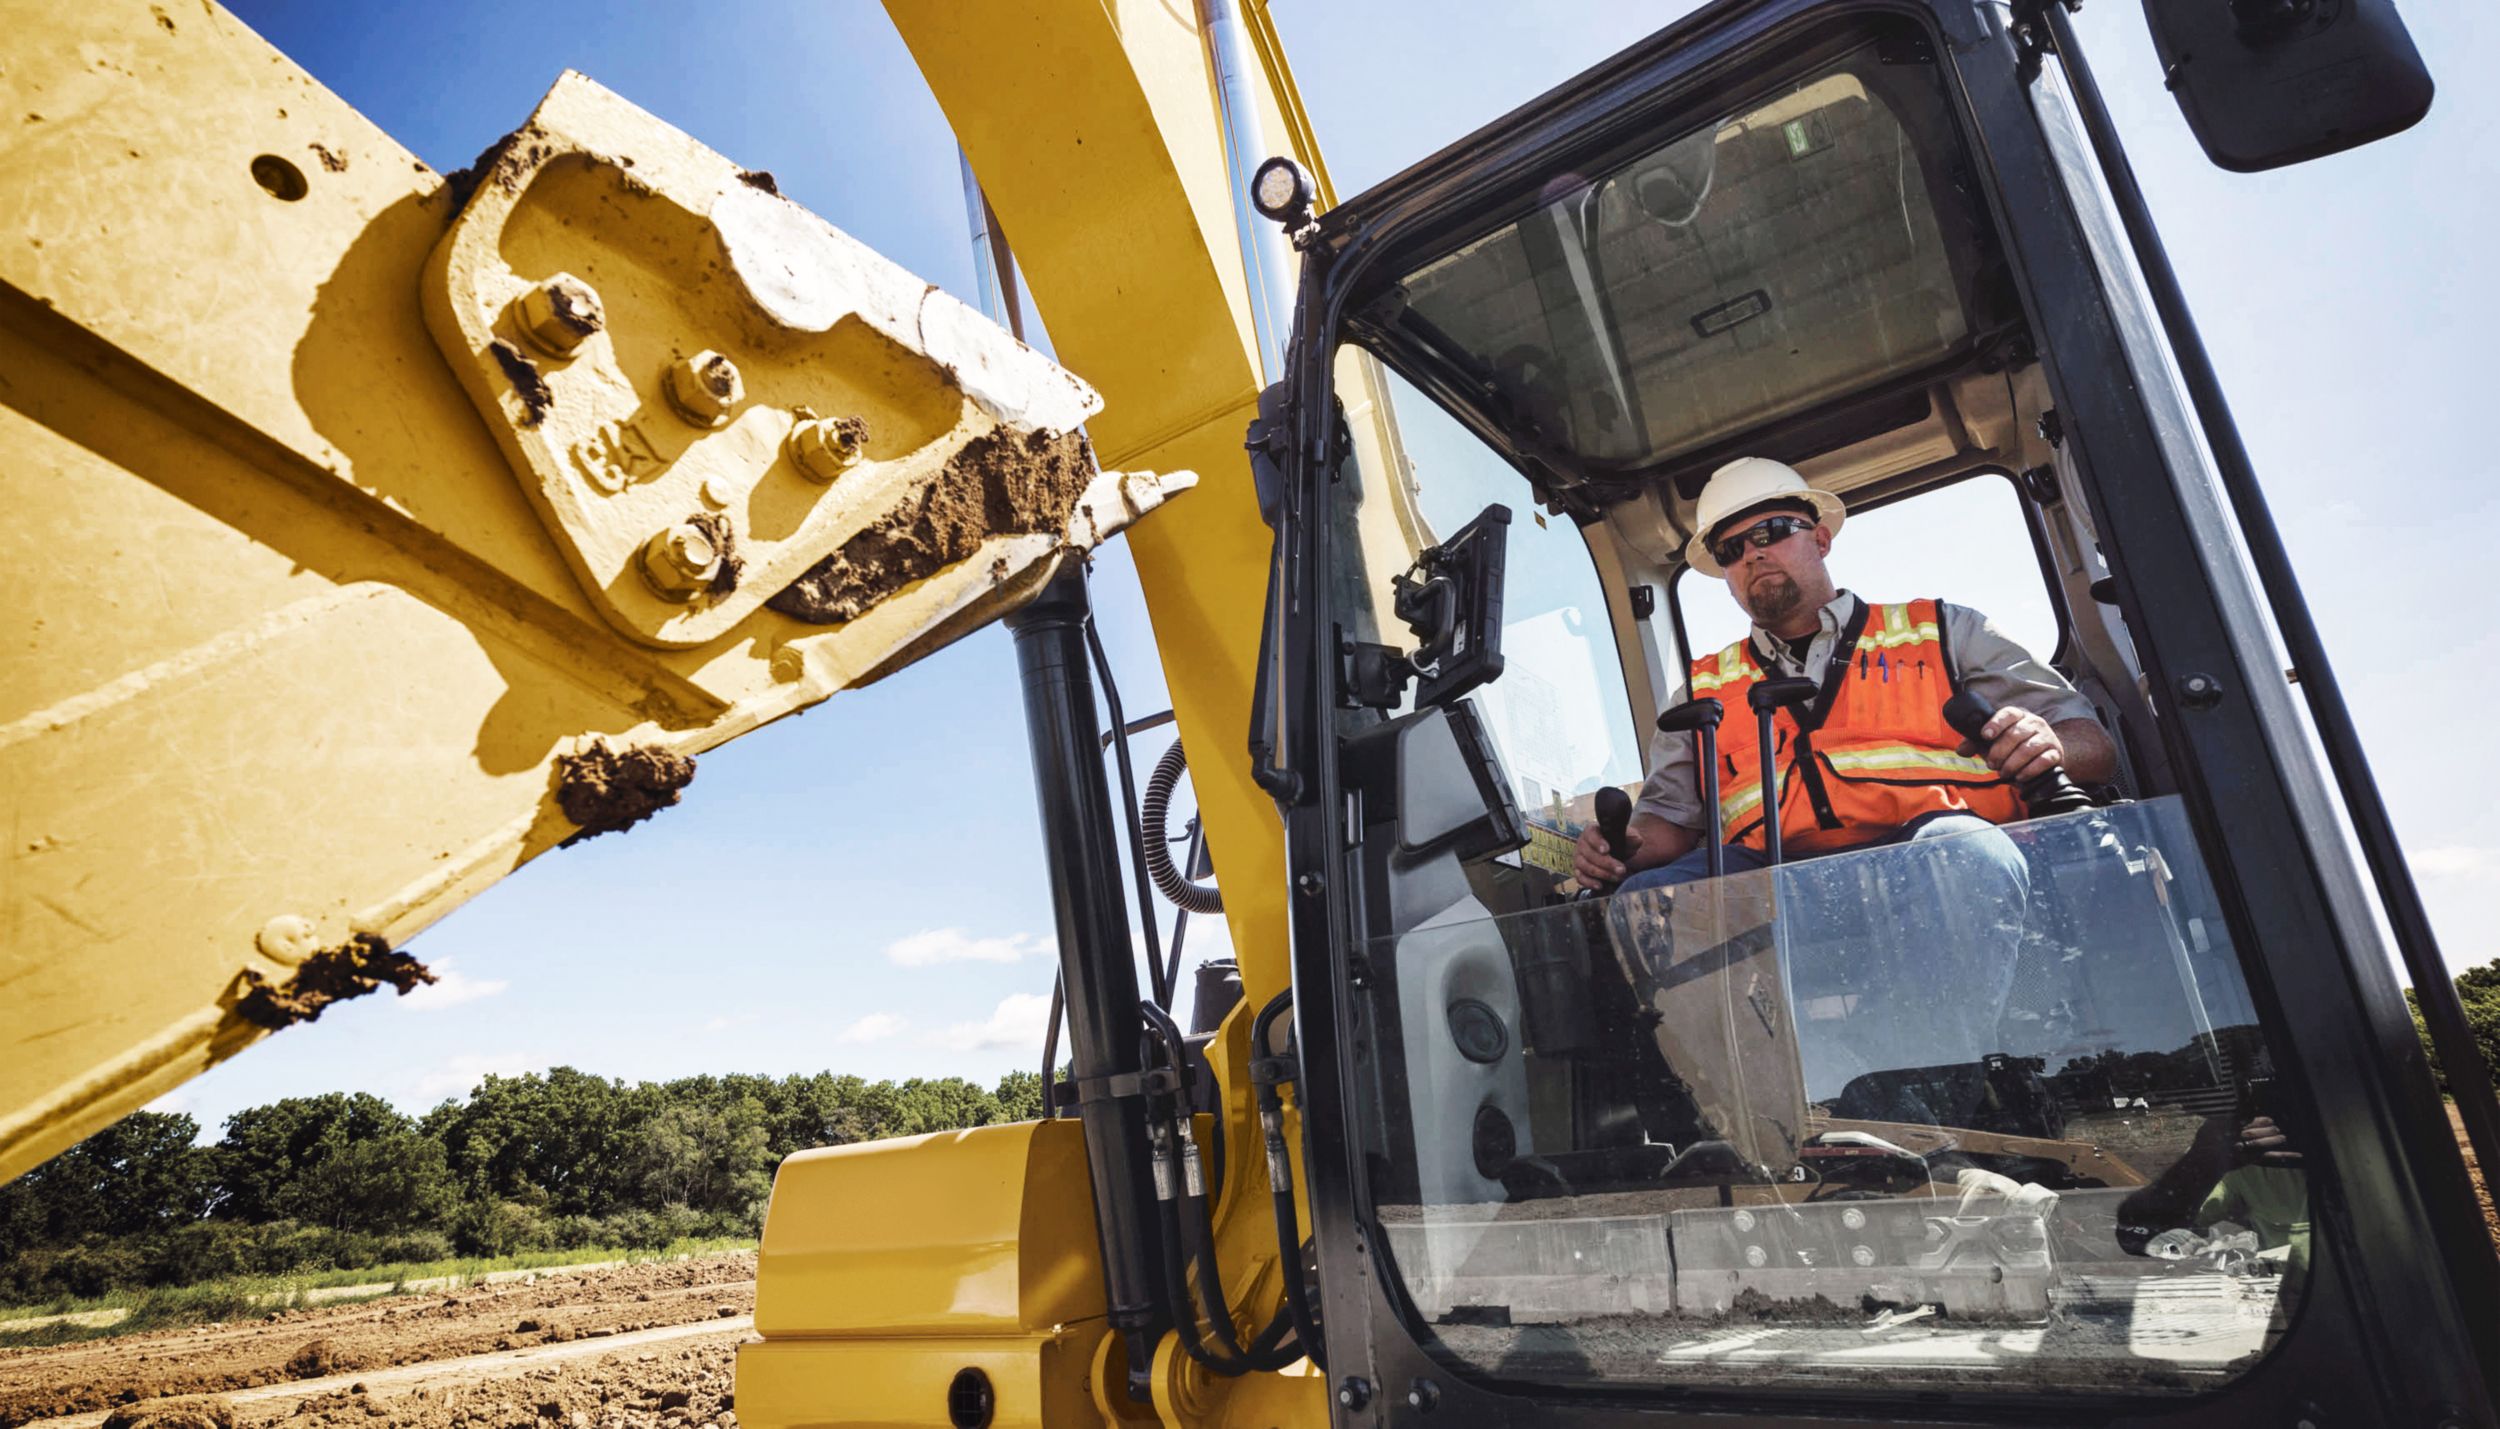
(1728, 550)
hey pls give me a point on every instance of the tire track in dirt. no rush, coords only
(440, 1376)
(359, 1341)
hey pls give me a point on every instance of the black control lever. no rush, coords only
(1767, 697)
(1700, 718)
(2043, 795)
(1614, 820)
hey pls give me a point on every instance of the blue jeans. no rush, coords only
(1892, 959)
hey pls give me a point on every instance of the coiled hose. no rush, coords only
(1199, 898)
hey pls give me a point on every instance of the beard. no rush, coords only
(1773, 597)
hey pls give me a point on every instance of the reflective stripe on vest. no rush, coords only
(1883, 754)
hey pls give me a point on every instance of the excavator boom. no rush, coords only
(387, 530)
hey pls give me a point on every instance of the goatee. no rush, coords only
(1774, 598)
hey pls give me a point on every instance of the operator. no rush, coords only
(1878, 765)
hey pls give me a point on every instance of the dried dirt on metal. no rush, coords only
(415, 1360)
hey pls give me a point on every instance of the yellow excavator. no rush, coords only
(384, 529)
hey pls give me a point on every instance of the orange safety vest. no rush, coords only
(1875, 752)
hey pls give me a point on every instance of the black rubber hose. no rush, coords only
(1197, 898)
(1050, 1046)
(1128, 799)
(1188, 1235)
(1280, 1188)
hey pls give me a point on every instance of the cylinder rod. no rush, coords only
(1097, 967)
(1266, 259)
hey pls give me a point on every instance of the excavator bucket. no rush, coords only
(383, 531)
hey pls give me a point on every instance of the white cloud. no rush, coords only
(173, 1103)
(1017, 1022)
(2454, 862)
(875, 1027)
(450, 988)
(726, 1021)
(459, 1076)
(952, 945)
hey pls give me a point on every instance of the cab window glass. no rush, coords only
(1986, 1108)
(1965, 543)
(1559, 715)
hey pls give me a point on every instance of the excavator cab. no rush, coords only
(1951, 1125)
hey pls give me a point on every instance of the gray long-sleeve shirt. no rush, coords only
(1991, 665)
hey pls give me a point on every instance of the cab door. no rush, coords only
(2210, 935)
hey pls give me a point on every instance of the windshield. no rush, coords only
(1812, 244)
(1966, 1111)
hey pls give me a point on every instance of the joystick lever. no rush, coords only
(1700, 718)
(2043, 795)
(1768, 697)
(1614, 820)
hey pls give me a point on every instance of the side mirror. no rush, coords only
(2264, 83)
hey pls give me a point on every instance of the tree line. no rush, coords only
(555, 1161)
(2479, 989)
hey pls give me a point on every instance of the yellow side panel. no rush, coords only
(1038, 1381)
(989, 1231)
(890, 1266)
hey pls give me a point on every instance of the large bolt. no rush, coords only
(825, 447)
(559, 315)
(703, 388)
(681, 561)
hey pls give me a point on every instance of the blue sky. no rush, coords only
(860, 888)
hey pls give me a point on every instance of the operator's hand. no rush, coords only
(2263, 1143)
(1592, 865)
(2019, 745)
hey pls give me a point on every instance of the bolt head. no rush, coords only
(1862, 1255)
(559, 315)
(290, 938)
(680, 561)
(789, 664)
(717, 492)
(705, 388)
(823, 448)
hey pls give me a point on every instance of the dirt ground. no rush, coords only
(678, 1326)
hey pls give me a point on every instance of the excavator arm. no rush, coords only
(382, 530)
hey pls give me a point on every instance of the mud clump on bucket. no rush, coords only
(1002, 484)
(604, 789)
(527, 382)
(352, 969)
(723, 534)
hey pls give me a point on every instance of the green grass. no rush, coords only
(247, 1297)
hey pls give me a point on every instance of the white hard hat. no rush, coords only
(1740, 486)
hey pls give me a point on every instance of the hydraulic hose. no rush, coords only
(1188, 1229)
(1128, 798)
(1199, 898)
(1268, 1073)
